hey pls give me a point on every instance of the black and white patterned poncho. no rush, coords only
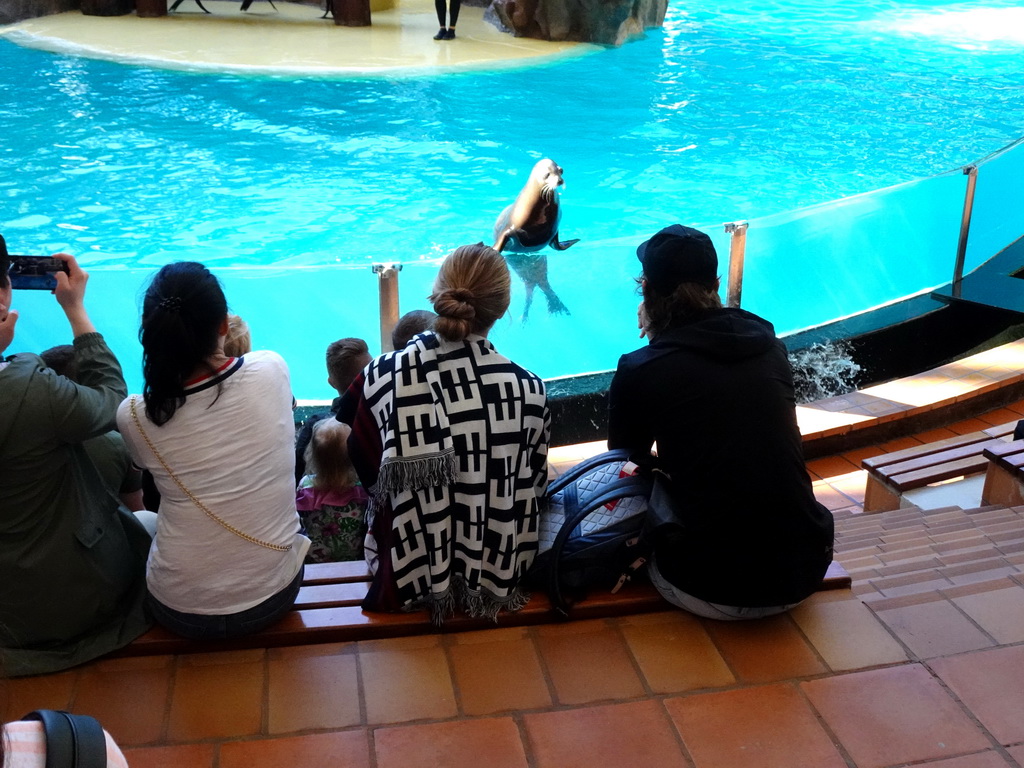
(452, 440)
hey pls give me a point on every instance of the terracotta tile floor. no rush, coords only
(921, 663)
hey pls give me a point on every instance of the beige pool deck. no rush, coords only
(290, 40)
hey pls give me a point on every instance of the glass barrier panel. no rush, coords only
(853, 254)
(802, 268)
(998, 216)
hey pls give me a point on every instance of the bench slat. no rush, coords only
(336, 573)
(881, 462)
(1001, 431)
(1005, 451)
(936, 461)
(321, 595)
(908, 481)
(344, 621)
(886, 460)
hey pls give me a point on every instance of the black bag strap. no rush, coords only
(620, 488)
(662, 513)
(576, 472)
(72, 741)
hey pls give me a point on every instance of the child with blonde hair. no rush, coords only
(239, 338)
(329, 499)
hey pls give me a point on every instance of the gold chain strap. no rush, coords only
(187, 492)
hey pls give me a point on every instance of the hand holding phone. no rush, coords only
(8, 319)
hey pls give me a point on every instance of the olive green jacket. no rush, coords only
(72, 560)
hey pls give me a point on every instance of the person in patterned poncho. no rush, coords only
(451, 440)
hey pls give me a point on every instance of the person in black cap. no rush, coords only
(713, 389)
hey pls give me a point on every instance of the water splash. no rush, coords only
(824, 370)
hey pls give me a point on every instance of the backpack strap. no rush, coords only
(622, 487)
(72, 741)
(664, 518)
(570, 476)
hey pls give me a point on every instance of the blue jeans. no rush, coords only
(708, 610)
(198, 626)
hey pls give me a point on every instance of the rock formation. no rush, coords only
(16, 10)
(608, 22)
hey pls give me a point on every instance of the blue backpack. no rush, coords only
(592, 530)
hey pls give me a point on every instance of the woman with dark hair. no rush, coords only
(451, 439)
(216, 432)
(72, 560)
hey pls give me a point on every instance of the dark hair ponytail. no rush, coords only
(182, 313)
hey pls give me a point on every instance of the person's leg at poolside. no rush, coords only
(441, 7)
(453, 18)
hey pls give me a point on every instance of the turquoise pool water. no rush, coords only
(290, 188)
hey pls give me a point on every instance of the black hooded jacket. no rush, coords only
(716, 395)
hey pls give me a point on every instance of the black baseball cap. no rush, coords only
(678, 254)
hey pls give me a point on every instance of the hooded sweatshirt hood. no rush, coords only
(728, 334)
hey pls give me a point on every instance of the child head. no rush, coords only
(345, 359)
(327, 455)
(410, 324)
(239, 340)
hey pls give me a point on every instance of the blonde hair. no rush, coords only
(239, 340)
(472, 290)
(327, 456)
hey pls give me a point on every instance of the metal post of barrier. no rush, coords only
(737, 250)
(387, 282)
(971, 171)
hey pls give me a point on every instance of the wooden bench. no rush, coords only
(327, 611)
(1004, 477)
(893, 474)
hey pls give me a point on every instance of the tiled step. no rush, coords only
(914, 554)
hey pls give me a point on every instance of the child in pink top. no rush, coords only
(330, 500)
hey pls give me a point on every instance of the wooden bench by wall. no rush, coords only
(893, 474)
(1004, 478)
(327, 611)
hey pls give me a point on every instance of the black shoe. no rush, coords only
(450, 34)
(442, 34)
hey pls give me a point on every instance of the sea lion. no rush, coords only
(528, 226)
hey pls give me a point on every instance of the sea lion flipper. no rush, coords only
(555, 305)
(559, 245)
(501, 241)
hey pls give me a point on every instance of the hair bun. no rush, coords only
(456, 303)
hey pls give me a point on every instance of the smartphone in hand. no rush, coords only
(35, 273)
